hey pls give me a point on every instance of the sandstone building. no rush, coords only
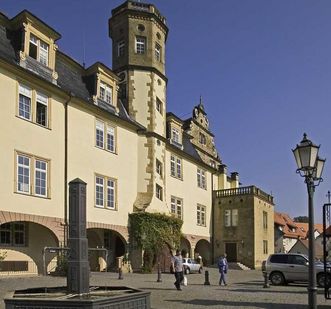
(111, 128)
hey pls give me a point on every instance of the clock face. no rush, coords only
(196, 113)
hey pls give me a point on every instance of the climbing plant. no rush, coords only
(151, 231)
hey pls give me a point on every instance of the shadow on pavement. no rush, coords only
(210, 302)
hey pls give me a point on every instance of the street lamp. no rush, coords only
(310, 166)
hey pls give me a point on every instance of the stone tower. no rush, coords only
(139, 34)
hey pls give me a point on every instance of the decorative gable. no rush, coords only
(37, 48)
(203, 139)
(103, 86)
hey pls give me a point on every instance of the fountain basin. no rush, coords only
(99, 297)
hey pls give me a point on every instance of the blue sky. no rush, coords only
(262, 67)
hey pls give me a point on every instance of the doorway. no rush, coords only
(231, 251)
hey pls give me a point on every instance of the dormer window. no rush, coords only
(38, 50)
(106, 93)
(175, 135)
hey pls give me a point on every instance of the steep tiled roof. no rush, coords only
(304, 227)
(289, 227)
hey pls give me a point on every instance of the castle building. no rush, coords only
(110, 127)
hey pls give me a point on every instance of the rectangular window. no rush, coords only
(106, 93)
(157, 52)
(99, 134)
(29, 165)
(120, 48)
(13, 234)
(23, 174)
(201, 178)
(265, 220)
(105, 192)
(159, 106)
(231, 217)
(201, 215)
(24, 104)
(158, 166)
(175, 135)
(140, 44)
(40, 177)
(159, 192)
(99, 190)
(265, 247)
(105, 141)
(176, 166)
(41, 109)
(38, 50)
(177, 207)
(35, 109)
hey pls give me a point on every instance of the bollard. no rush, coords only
(158, 273)
(207, 278)
(120, 273)
(266, 280)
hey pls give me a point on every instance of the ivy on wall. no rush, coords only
(152, 231)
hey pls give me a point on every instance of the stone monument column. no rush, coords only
(78, 277)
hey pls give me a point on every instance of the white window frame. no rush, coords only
(42, 47)
(175, 135)
(158, 52)
(43, 173)
(176, 166)
(177, 207)
(230, 217)
(28, 102)
(105, 192)
(106, 93)
(105, 136)
(159, 167)
(34, 183)
(140, 45)
(201, 178)
(201, 215)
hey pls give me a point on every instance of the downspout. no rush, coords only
(66, 169)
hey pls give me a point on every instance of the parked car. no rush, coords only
(282, 268)
(191, 265)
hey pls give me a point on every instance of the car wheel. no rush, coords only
(277, 278)
(187, 270)
(321, 280)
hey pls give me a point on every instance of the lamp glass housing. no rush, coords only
(306, 154)
(318, 168)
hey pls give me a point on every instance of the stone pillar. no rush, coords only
(78, 265)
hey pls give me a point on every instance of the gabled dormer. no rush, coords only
(175, 130)
(36, 44)
(102, 84)
(198, 127)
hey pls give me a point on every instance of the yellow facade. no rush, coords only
(60, 121)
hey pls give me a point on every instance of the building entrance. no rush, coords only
(231, 251)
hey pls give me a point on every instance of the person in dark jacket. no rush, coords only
(223, 269)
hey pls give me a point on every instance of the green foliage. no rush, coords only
(62, 265)
(151, 232)
(3, 255)
(303, 219)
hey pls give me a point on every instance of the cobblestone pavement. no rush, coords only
(244, 290)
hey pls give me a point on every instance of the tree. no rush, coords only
(302, 219)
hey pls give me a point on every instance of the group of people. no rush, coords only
(177, 266)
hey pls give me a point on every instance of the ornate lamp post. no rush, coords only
(310, 166)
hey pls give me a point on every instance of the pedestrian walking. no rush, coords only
(223, 269)
(177, 264)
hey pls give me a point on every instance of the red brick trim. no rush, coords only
(122, 230)
(55, 225)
